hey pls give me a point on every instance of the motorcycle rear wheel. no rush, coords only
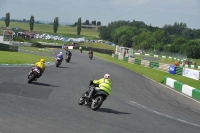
(96, 104)
(31, 78)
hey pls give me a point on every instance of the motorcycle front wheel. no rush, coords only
(81, 99)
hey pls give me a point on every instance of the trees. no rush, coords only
(191, 48)
(7, 19)
(55, 24)
(79, 26)
(98, 23)
(31, 23)
(87, 22)
(94, 22)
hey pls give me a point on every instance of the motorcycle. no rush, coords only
(68, 58)
(96, 99)
(81, 50)
(90, 56)
(58, 61)
(35, 73)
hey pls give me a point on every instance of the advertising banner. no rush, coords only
(190, 73)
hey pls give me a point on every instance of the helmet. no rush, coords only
(42, 60)
(107, 76)
(61, 53)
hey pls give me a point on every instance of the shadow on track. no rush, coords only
(62, 67)
(43, 84)
(106, 110)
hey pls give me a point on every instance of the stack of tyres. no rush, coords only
(154, 65)
(137, 61)
(179, 70)
(125, 59)
(116, 56)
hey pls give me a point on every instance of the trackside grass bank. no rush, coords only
(149, 72)
(21, 58)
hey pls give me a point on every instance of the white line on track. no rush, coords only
(158, 113)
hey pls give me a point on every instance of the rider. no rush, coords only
(68, 52)
(90, 52)
(40, 66)
(60, 55)
(104, 84)
(80, 48)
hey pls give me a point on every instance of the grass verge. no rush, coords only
(35, 49)
(97, 45)
(21, 58)
(149, 72)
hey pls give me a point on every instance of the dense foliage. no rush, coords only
(7, 19)
(55, 24)
(176, 38)
(31, 23)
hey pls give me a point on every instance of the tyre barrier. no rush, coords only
(154, 65)
(137, 61)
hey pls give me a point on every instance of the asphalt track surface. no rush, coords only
(50, 105)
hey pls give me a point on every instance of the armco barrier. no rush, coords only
(137, 61)
(183, 88)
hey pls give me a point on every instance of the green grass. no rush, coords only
(45, 28)
(151, 73)
(21, 58)
(97, 45)
(35, 49)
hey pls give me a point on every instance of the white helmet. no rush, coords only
(61, 53)
(107, 76)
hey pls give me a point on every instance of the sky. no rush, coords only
(154, 12)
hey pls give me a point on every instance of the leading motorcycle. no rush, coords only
(90, 56)
(34, 73)
(68, 58)
(96, 99)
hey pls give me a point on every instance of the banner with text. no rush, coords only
(190, 73)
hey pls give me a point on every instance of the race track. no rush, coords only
(50, 105)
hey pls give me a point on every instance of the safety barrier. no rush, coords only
(131, 60)
(164, 67)
(116, 56)
(154, 65)
(125, 59)
(183, 88)
(6, 47)
(137, 61)
(179, 70)
(145, 63)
